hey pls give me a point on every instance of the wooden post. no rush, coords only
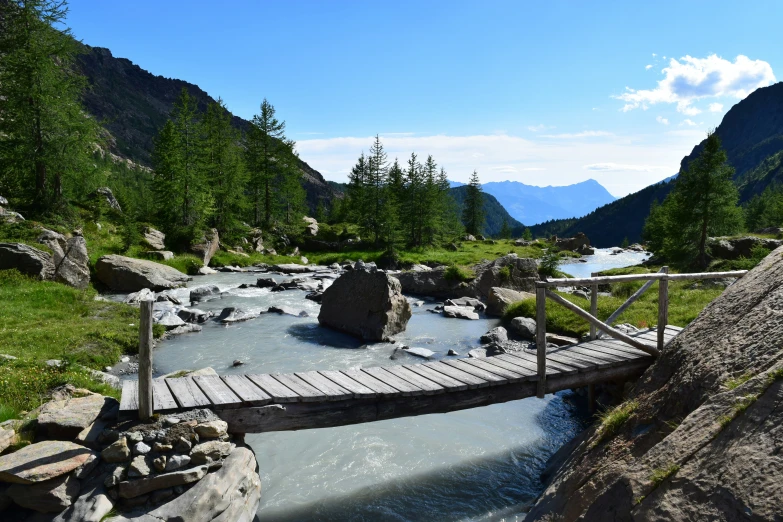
(145, 360)
(593, 310)
(541, 340)
(663, 307)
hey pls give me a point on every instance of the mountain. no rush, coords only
(133, 104)
(752, 135)
(531, 204)
(493, 211)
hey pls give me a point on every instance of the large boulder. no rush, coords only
(71, 262)
(365, 303)
(516, 273)
(43, 461)
(579, 241)
(126, 274)
(312, 226)
(500, 299)
(155, 239)
(736, 247)
(207, 246)
(64, 419)
(291, 268)
(432, 283)
(51, 496)
(702, 439)
(108, 196)
(26, 259)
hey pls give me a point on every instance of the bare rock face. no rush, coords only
(579, 241)
(154, 238)
(125, 274)
(43, 461)
(108, 195)
(501, 298)
(312, 226)
(699, 445)
(27, 260)
(365, 303)
(71, 262)
(207, 247)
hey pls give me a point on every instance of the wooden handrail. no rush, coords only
(663, 277)
(146, 406)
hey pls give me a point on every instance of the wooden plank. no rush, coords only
(595, 361)
(612, 359)
(392, 380)
(618, 345)
(359, 390)
(552, 367)
(161, 396)
(510, 375)
(625, 354)
(541, 341)
(594, 308)
(246, 390)
(471, 381)
(129, 401)
(187, 393)
(217, 392)
(601, 325)
(492, 378)
(523, 363)
(429, 387)
(444, 380)
(581, 364)
(333, 391)
(707, 275)
(305, 391)
(663, 309)
(526, 373)
(379, 387)
(279, 392)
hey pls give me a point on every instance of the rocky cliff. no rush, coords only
(700, 435)
(133, 104)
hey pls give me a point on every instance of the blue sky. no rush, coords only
(547, 93)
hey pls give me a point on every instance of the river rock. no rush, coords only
(207, 246)
(469, 302)
(193, 315)
(499, 299)
(51, 496)
(211, 451)
(205, 270)
(43, 461)
(291, 268)
(154, 238)
(420, 352)
(231, 314)
(525, 327)
(145, 294)
(212, 429)
(117, 451)
(496, 335)
(65, 419)
(714, 446)
(266, 282)
(170, 320)
(27, 260)
(460, 312)
(125, 274)
(204, 293)
(369, 305)
(135, 488)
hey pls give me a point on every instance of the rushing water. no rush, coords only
(481, 464)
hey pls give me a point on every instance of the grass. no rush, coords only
(741, 405)
(613, 419)
(685, 303)
(458, 273)
(735, 383)
(660, 474)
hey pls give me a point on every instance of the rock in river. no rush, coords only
(125, 274)
(460, 312)
(367, 304)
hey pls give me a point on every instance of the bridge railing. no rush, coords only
(663, 277)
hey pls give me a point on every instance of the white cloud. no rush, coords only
(688, 122)
(662, 120)
(622, 164)
(583, 134)
(654, 55)
(648, 67)
(691, 79)
(716, 107)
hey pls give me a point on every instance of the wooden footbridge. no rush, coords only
(318, 399)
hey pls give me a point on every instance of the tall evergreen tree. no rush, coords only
(392, 210)
(377, 168)
(223, 167)
(47, 140)
(703, 202)
(473, 210)
(412, 206)
(357, 201)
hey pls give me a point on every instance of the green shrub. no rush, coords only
(186, 263)
(549, 263)
(458, 273)
(504, 274)
(613, 419)
(661, 474)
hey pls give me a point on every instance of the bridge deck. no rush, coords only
(315, 399)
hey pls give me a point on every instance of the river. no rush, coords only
(481, 464)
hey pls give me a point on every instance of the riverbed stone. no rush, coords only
(499, 299)
(212, 429)
(50, 496)
(65, 419)
(125, 274)
(367, 304)
(496, 335)
(210, 451)
(42, 461)
(525, 327)
(117, 451)
(460, 312)
(232, 314)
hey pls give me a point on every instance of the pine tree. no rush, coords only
(224, 168)
(473, 209)
(377, 168)
(356, 198)
(703, 202)
(505, 230)
(47, 139)
(412, 205)
(392, 209)
(527, 235)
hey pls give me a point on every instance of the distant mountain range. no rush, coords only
(531, 205)
(752, 135)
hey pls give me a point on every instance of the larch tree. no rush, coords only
(473, 209)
